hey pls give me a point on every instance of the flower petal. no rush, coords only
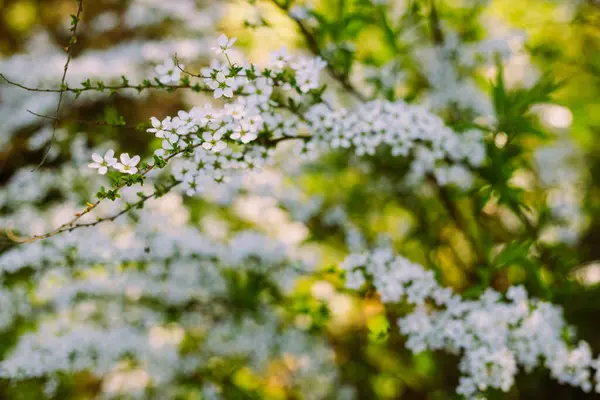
(222, 40)
(134, 161)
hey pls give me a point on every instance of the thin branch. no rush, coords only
(82, 121)
(139, 88)
(129, 207)
(72, 41)
(72, 224)
(188, 72)
(456, 216)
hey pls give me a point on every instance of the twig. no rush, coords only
(72, 41)
(185, 71)
(72, 224)
(129, 207)
(458, 220)
(81, 121)
(139, 88)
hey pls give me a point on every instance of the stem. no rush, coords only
(72, 41)
(436, 29)
(456, 216)
(76, 90)
(72, 224)
(82, 121)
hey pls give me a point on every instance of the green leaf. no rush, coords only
(515, 252)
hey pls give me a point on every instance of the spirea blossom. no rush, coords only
(142, 304)
(404, 129)
(233, 130)
(183, 270)
(102, 163)
(168, 72)
(127, 164)
(224, 44)
(494, 334)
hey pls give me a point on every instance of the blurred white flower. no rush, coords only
(168, 72)
(223, 44)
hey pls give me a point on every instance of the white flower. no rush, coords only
(300, 12)
(222, 85)
(212, 141)
(127, 164)
(211, 71)
(223, 44)
(236, 111)
(259, 92)
(280, 58)
(169, 72)
(103, 163)
(160, 128)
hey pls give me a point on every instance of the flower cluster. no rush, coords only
(494, 334)
(44, 60)
(91, 319)
(406, 130)
(443, 66)
(220, 141)
(559, 175)
(224, 140)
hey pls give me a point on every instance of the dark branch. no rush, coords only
(72, 41)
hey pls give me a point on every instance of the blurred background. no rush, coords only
(339, 203)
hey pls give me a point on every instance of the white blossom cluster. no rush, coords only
(28, 194)
(494, 334)
(561, 176)
(443, 66)
(219, 137)
(82, 306)
(94, 319)
(156, 264)
(408, 130)
(102, 300)
(311, 374)
(44, 61)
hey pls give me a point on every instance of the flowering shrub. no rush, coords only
(335, 221)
